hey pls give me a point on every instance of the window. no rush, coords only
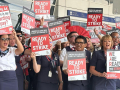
(75, 23)
(84, 25)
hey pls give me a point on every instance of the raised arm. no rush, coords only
(97, 33)
(20, 48)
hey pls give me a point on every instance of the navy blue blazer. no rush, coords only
(99, 83)
(45, 68)
(118, 81)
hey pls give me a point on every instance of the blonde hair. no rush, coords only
(91, 46)
(106, 37)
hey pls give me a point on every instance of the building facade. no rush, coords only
(77, 10)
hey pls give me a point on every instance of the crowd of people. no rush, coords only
(50, 72)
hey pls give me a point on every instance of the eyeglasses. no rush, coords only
(73, 36)
(79, 43)
(115, 37)
(5, 39)
(19, 35)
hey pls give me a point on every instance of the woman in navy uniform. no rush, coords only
(8, 80)
(98, 66)
(48, 69)
(19, 71)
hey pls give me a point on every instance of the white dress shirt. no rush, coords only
(116, 47)
(65, 64)
(63, 53)
(7, 62)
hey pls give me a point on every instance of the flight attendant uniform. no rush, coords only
(62, 56)
(8, 79)
(118, 81)
(81, 84)
(19, 72)
(101, 83)
(45, 81)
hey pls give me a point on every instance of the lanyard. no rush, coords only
(48, 58)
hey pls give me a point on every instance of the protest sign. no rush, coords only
(66, 21)
(28, 20)
(57, 31)
(94, 18)
(40, 41)
(106, 27)
(24, 64)
(94, 38)
(117, 21)
(5, 20)
(113, 30)
(113, 64)
(76, 65)
(37, 23)
(45, 23)
(42, 9)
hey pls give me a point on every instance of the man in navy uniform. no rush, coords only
(80, 44)
(115, 38)
(71, 38)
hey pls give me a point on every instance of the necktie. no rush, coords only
(3, 53)
(115, 47)
(73, 48)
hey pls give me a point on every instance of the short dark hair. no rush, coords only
(69, 35)
(18, 31)
(113, 33)
(4, 34)
(81, 37)
(0, 36)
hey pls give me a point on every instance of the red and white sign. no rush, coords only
(118, 25)
(94, 38)
(24, 64)
(57, 31)
(66, 21)
(76, 66)
(38, 23)
(28, 20)
(94, 18)
(5, 20)
(113, 64)
(106, 27)
(42, 9)
(40, 41)
(117, 21)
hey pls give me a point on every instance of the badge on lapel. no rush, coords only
(55, 58)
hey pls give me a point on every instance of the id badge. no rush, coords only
(50, 74)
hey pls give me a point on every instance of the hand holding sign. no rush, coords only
(13, 33)
(104, 74)
(33, 55)
(59, 43)
(41, 21)
(96, 31)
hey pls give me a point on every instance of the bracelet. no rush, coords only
(61, 81)
(59, 49)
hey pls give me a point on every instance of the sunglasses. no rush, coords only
(5, 39)
(19, 35)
